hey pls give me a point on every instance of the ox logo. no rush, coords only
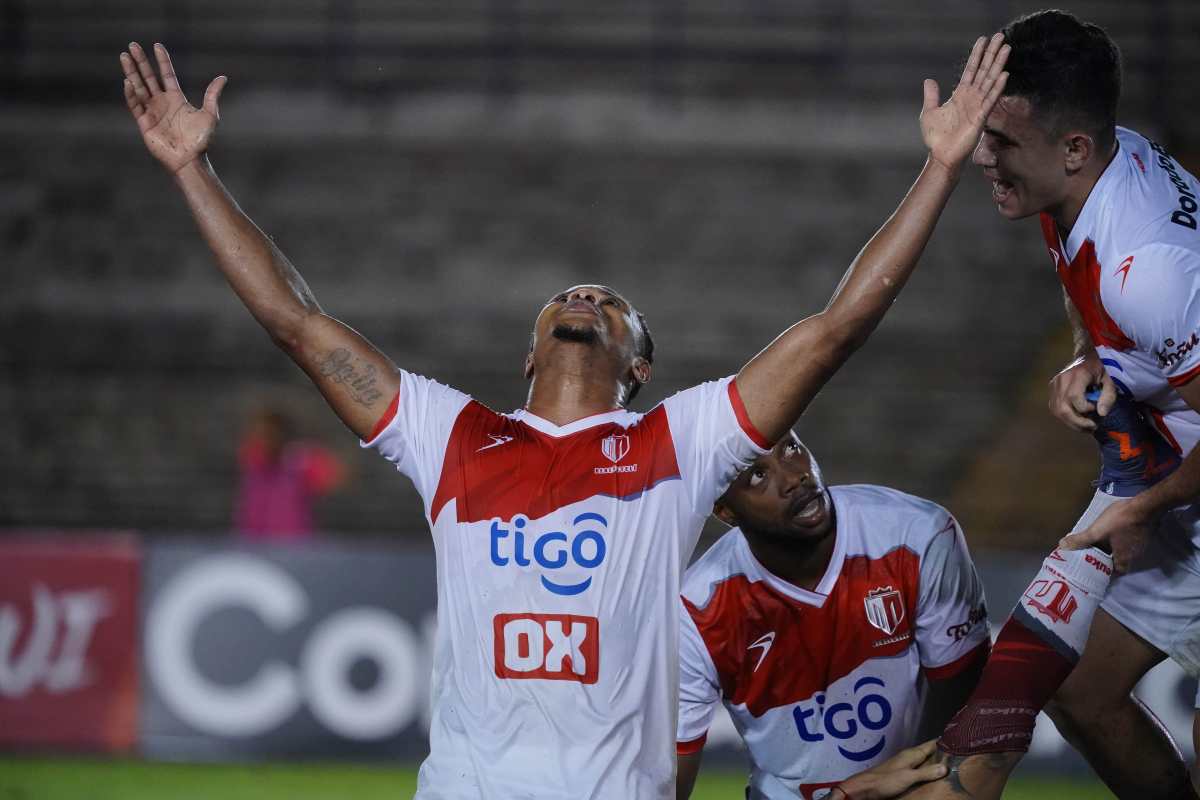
(615, 447)
(885, 609)
(552, 647)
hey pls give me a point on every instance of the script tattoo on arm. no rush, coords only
(361, 380)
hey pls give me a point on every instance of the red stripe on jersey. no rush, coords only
(694, 746)
(1081, 279)
(739, 411)
(947, 671)
(498, 467)
(389, 414)
(1185, 378)
(811, 647)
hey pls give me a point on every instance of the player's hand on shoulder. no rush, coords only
(1069, 402)
(175, 131)
(910, 767)
(952, 129)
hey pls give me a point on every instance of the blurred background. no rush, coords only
(436, 171)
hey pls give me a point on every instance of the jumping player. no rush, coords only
(1118, 215)
(561, 530)
(837, 625)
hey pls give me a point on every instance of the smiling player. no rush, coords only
(561, 530)
(838, 626)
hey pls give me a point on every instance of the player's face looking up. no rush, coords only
(780, 495)
(600, 319)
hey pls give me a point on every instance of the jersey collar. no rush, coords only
(558, 431)
(824, 588)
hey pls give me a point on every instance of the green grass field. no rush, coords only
(87, 779)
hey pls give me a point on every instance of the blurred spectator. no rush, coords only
(280, 478)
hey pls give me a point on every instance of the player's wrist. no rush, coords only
(947, 169)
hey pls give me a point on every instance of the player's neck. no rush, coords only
(571, 389)
(802, 564)
(1080, 189)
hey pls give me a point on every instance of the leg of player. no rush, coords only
(1036, 650)
(1096, 712)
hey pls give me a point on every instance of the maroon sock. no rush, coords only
(1022, 674)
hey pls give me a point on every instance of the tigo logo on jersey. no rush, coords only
(614, 448)
(885, 608)
(842, 720)
(553, 647)
(552, 550)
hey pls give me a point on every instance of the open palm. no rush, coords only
(175, 131)
(952, 129)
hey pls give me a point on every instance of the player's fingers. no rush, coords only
(144, 68)
(994, 92)
(916, 755)
(989, 58)
(213, 94)
(933, 95)
(929, 772)
(166, 68)
(1108, 397)
(968, 75)
(131, 100)
(135, 79)
(1079, 541)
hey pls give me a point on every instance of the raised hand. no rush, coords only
(951, 130)
(175, 131)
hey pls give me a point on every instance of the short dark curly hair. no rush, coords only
(1068, 70)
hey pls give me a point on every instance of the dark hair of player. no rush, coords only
(1068, 70)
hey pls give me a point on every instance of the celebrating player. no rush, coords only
(1119, 218)
(837, 625)
(561, 530)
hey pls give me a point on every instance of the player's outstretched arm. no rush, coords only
(778, 383)
(356, 379)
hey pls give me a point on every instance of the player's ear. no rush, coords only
(641, 370)
(1078, 149)
(724, 513)
(528, 371)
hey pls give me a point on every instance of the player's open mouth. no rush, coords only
(809, 511)
(1001, 191)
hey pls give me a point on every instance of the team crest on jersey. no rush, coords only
(615, 447)
(885, 609)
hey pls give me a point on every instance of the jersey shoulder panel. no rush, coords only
(880, 519)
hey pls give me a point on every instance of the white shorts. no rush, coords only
(1160, 596)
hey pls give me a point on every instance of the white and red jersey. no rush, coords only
(825, 683)
(559, 557)
(1131, 266)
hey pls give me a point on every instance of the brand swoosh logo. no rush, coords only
(496, 442)
(765, 641)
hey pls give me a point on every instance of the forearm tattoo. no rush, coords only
(360, 379)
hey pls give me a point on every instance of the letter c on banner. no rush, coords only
(223, 581)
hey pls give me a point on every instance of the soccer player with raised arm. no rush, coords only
(1118, 215)
(561, 530)
(838, 625)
